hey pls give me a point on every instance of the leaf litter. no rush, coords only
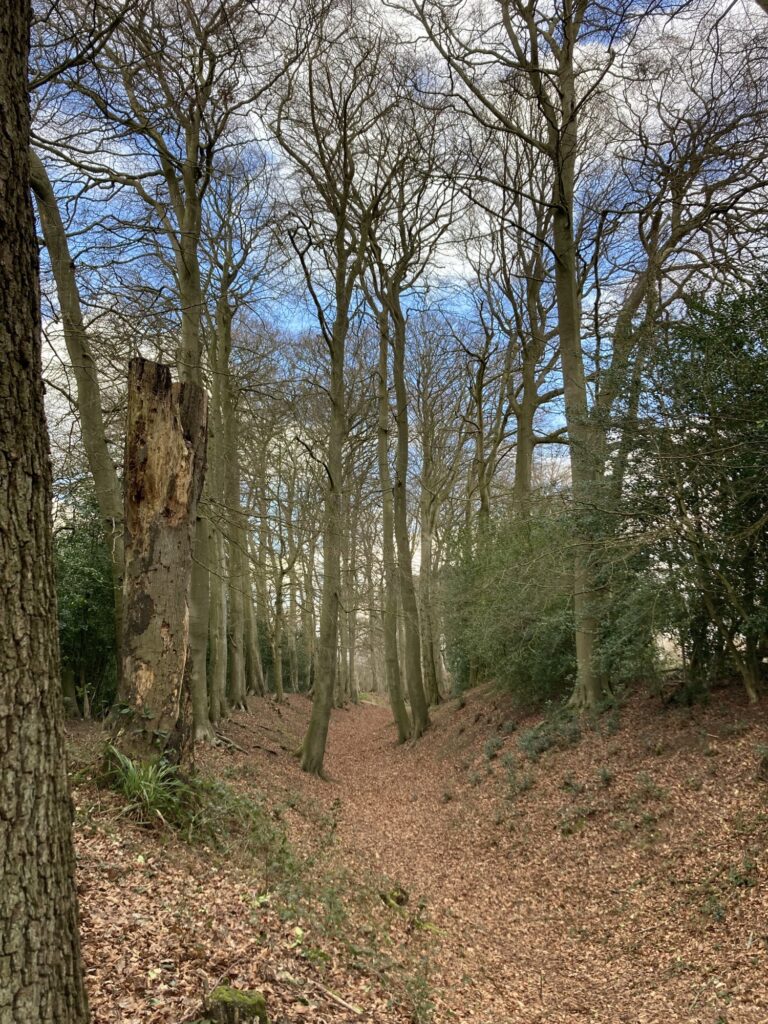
(618, 878)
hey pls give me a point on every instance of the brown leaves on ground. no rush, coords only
(621, 879)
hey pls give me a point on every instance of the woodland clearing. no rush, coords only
(620, 876)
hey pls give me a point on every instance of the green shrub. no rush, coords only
(605, 777)
(571, 785)
(745, 875)
(85, 599)
(519, 782)
(559, 730)
(700, 456)
(154, 791)
(508, 606)
(199, 809)
(492, 747)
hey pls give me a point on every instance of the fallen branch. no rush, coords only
(334, 997)
(229, 743)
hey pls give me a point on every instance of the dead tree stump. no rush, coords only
(165, 452)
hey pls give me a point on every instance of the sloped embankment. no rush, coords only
(475, 876)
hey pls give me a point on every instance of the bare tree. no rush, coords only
(325, 113)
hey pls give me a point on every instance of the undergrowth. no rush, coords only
(325, 904)
(558, 730)
(200, 810)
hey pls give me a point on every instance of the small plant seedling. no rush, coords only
(605, 776)
(570, 785)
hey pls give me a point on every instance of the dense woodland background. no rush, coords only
(408, 355)
(475, 291)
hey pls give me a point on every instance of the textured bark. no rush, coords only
(216, 682)
(236, 624)
(343, 682)
(217, 633)
(69, 693)
(308, 611)
(106, 483)
(254, 672)
(195, 670)
(260, 552)
(526, 437)
(581, 432)
(389, 581)
(351, 606)
(40, 969)
(426, 611)
(419, 710)
(237, 561)
(164, 469)
(277, 641)
(313, 747)
(293, 654)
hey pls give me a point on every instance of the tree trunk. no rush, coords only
(262, 597)
(419, 711)
(293, 654)
(389, 579)
(217, 632)
(216, 653)
(164, 471)
(277, 642)
(237, 562)
(354, 693)
(308, 614)
(69, 693)
(426, 617)
(342, 695)
(109, 495)
(189, 355)
(41, 978)
(581, 435)
(199, 618)
(521, 492)
(236, 626)
(254, 673)
(313, 747)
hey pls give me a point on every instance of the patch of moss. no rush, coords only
(232, 1005)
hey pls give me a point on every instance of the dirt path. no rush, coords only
(623, 879)
(537, 919)
(493, 963)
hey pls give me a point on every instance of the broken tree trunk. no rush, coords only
(164, 470)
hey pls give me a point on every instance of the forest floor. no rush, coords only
(621, 875)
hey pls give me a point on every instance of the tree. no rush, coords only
(696, 494)
(535, 55)
(414, 214)
(89, 399)
(165, 452)
(40, 970)
(325, 113)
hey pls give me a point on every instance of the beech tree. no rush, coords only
(41, 978)
(325, 114)
(415, 213)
